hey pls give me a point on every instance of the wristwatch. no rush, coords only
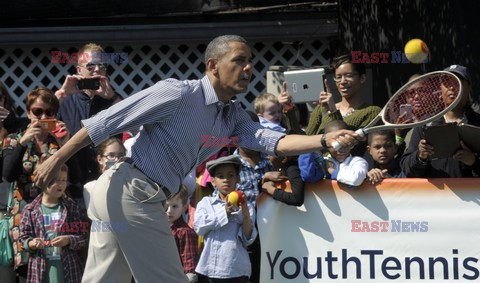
(323, 141)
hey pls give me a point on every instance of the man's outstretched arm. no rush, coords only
(46, 171)
(298, 144)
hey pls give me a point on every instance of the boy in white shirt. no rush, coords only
(337, 165)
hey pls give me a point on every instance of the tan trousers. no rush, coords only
(139, 240)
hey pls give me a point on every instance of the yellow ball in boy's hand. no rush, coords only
(236, 198)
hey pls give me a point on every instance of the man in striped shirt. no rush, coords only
(175, 116)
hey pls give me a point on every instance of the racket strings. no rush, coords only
(422, 99)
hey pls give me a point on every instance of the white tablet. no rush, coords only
(305, 85)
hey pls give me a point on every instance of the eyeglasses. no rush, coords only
(91, 66)
(348, 77)
(113, 156)
(39, 112)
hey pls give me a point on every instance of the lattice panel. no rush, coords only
(25, 68)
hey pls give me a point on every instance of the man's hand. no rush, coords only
(45, 172)
(69, 86)
(346, 138)
(105, 90)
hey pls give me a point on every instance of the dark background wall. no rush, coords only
(449, 27)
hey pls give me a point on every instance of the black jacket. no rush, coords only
(442, 167)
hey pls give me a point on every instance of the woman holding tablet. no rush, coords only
(349, 79)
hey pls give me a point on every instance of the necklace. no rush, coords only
(348, 113)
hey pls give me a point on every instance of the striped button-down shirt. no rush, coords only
(184, 124)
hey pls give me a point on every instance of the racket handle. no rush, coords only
(360, 132)
(337, 146)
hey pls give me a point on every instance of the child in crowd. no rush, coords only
(227, 229)
(269, 110)
(51, 231)
(288, 167)
(254, 166)
(185, 237)
(383, 149)
(108, 153)
(338, 165)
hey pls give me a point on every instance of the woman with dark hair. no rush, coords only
(349, 78)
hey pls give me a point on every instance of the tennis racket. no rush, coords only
(418, 102)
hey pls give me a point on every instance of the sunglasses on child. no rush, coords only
(39, 112)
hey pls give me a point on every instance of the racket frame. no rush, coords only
(389, 126)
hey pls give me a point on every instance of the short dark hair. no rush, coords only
(347, 59)
(335, 125)
(390, 134)
(46, 95)
(220, 45)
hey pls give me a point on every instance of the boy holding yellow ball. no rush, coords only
(227, 229)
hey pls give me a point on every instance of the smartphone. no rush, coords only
(88, 84)
(406, 110)
(48, 124)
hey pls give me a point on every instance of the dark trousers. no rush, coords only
(254, 252)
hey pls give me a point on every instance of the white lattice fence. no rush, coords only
(25, 68)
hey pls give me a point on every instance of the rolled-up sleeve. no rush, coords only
(252, 135)
(153, 104)
(209, 217)
(248, 241)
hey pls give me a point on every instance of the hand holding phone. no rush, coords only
(48, 124)
(92, 83)
(406, 111)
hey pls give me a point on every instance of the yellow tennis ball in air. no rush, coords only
(416, 51)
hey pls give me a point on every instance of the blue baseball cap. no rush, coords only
(460, 70)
